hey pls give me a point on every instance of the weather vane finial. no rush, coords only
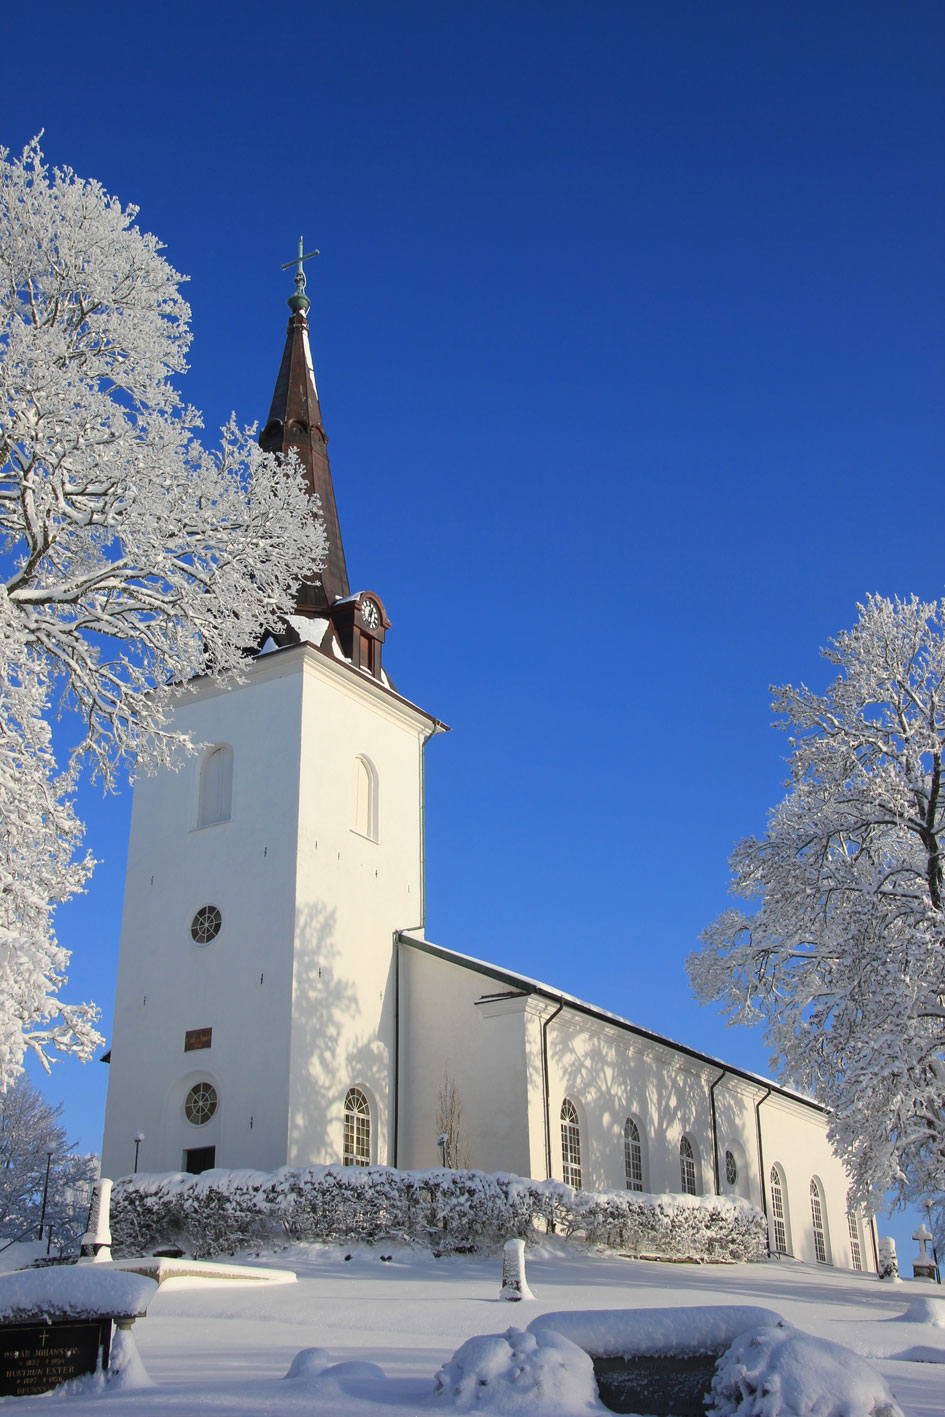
(299, 302)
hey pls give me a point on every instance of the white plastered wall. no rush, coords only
(296, 985)
(484, 1051)
(795, 1137)
(353, 893)
(167, 984)
(491, 1048)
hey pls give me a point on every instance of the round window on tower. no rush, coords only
(206, 925)
(200, 1103)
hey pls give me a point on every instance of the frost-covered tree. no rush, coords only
(131, 558)
(843, 957)
(39, 835)
(30, 1135)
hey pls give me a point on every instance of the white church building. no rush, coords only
(278, 1002)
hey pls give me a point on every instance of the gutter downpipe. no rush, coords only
(544, 1085)
(715, 1132)
(761, 1166)
(395, 1080)
(395, 1070)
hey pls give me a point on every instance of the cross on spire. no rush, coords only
(299, 301)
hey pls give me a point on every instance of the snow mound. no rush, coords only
(542, 1374)
(924, 1311)
(313, 1368)
(782, 1372)
(308, 1363)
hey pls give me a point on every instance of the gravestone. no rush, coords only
(56, 1323)
(657, 1361)
(37, 1357)
(923, 1266)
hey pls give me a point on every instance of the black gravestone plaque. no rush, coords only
(37, 1357)
(664, 1386)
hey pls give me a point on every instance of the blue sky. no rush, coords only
(628, 331)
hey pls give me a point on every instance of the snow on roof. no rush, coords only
(73, 1292)
(536, 986)
(311, 630)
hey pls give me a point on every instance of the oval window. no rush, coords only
(206, 924)
(200, 1103)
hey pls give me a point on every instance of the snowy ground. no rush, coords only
(225, 1348)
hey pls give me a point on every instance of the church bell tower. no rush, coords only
(256, 1012)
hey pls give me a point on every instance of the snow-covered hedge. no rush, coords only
(222, 1212)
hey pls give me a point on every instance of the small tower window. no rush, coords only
(357, 1133)
(570, 1145)
(365, 798)
(632, 1155)
(216, 787)
(731, 1168)
(687, 1168)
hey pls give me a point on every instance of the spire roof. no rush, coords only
(295, 422)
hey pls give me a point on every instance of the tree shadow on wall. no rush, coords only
(612, 1081)
(332, 1046)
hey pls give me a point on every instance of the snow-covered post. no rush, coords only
(514, 1283)
(96, 1245)
(888, 1263)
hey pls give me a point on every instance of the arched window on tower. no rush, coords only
(357, 1133)
(818, 1218)
(570, 1145)
(688, 1168)
(779, 1213)
(215, 799)
(633, 1155)
(365, 798)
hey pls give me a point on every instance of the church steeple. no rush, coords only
(295, 421)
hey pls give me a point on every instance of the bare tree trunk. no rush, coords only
(449, 1123)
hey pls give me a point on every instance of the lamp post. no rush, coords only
(938, 1272)
(139, 1138)
(443, 1143)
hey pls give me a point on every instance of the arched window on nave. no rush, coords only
(633, 1155)
(779, 1213)
(357, 1129)
(819, 1222)
(570, 1145)
(688, 1168)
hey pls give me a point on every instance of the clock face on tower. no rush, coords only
(370, 614)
